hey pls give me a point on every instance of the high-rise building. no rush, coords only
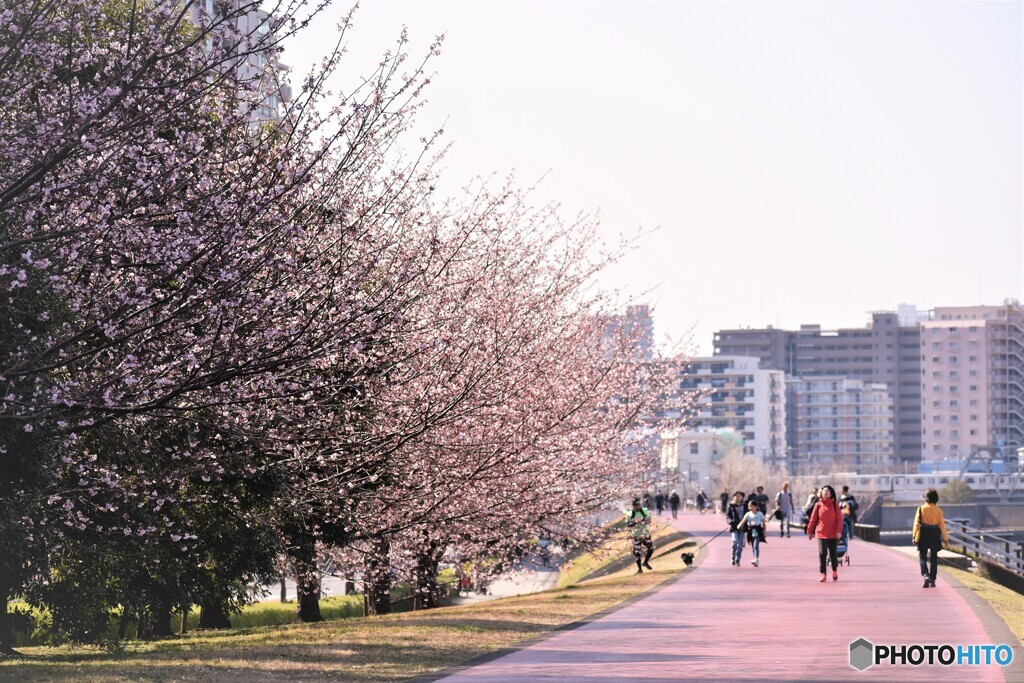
(256, 66)
(882, 352)
(637, 326)
(840, 423)
(738, 395)
(972, 380)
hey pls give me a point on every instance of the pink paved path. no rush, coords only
(773, 623)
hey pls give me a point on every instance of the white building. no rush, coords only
(692, 457)
(737, 395)
(841, 423)
(258, 67)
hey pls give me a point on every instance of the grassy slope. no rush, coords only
(388, 648)
(1008, 604)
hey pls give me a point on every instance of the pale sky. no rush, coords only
(793, 162)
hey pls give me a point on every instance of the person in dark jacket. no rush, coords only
(826, 525)
(752, 497)
(847, 498)
(673, 504)
(734, 515)
(762, 500)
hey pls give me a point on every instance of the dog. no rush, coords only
(687, 559)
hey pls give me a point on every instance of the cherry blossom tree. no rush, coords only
(528, 407)
(225, 340)
(161, 255)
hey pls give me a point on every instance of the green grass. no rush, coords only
(1007, 603)
(395, 647)
(269, 613)
(615, 548)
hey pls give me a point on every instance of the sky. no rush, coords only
(784, 162)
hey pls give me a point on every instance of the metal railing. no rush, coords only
(986, 546)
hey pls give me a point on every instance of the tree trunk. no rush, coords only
(122, 623)
(379, 578)
(284, 589)
(184, 621)
(427, 591)
(213, 614)
(144, 627)
(6, 629)
(160, 613)
(302, 553)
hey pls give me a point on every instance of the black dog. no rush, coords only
(687, 559)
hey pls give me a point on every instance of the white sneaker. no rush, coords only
(753, 562)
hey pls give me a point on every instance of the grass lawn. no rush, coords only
(1008, 604)
(390, 648)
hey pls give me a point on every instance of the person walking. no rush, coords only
(724, 498)
(762, 500)
(929, 536)
(826, 525)
(812, 500)
(751, 497)
(847, 498)
(734, 513)
(673, 504)
(659, 502)
(784, 508)
(755, 522)
(638, 521)
(702, 501)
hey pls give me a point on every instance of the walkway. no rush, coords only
(773, 623)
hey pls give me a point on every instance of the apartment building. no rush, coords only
(972, 380)
(636, 326)
(254, 68)
(839, 422)
(736, 394)
(884, 351)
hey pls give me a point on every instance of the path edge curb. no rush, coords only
(994, 626)
(497, 654)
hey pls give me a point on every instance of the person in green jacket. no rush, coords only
(638, 521)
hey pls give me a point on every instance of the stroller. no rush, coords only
(843, 544)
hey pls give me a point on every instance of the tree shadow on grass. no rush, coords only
(416, 647)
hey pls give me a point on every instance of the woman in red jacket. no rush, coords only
(826, 524)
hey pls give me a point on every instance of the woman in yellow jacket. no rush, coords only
(929, 535)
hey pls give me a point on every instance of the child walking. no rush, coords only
(754, 521)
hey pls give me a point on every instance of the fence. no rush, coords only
(986, 546)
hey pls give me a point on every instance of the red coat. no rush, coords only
(826, 520)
